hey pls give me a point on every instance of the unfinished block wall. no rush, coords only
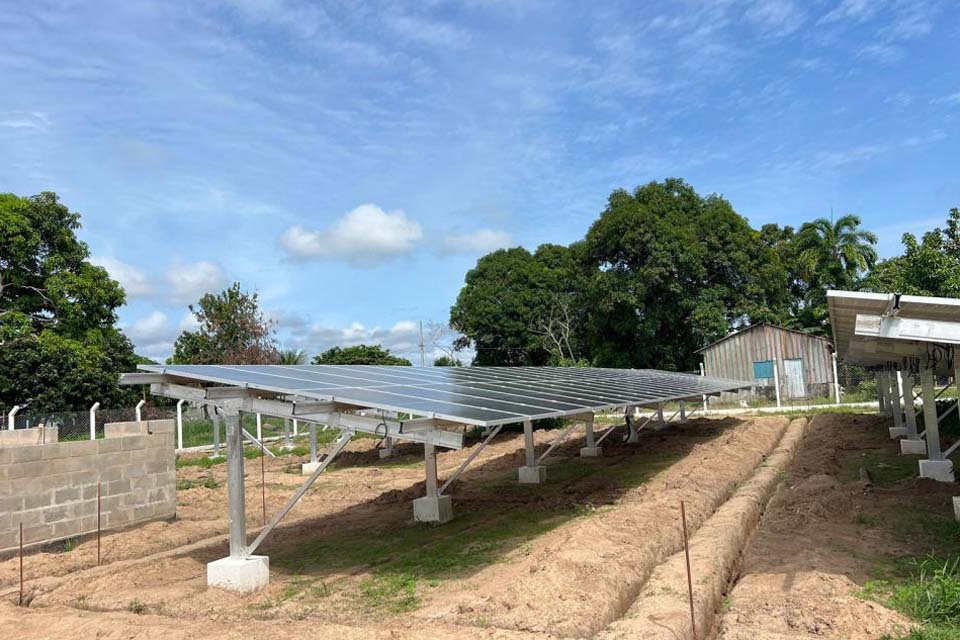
(51, 487)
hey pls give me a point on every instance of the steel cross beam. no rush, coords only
(466, 463)
(345, 438)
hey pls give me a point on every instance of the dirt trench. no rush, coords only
(581, 577)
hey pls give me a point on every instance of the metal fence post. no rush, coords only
(12, 416)
(93, 420)
(776, 382)
(703, 373)
(138, 407)
(180, 424)
(259, 427)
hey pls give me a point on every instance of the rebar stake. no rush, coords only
(99, 512)
(20, 600)
(686, 552)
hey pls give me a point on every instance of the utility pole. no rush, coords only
(423, 353)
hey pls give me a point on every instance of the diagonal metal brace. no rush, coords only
(246, 434)
(473, 454)
(556, 442)
(345, 438)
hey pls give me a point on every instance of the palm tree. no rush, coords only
(835, 254)
(293, 356)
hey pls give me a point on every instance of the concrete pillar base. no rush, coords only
(533, 475)
(940, 470)
(910, 447)
(591, 452)
(243, 575)
(633, 437)
(438, 509)
(897, 432)
(956, 508)
(307, 468)
(386, 453)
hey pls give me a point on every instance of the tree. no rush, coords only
(360, 354)
(292, 356)
(447, 361)
(61, 348)
(510, 295)
(930, 267)
(672, 271)
(831, 255)
(232, 330)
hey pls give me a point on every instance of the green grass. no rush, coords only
(187, 483)
(404, 558)
(885, 469)
(930, 594)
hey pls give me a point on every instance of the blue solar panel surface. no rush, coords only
(483, 396)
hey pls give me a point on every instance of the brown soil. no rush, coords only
(566, 559)
(824, 534)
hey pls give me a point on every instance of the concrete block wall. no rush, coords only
(28, 437)
(52, 488)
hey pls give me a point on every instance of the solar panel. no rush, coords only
(482, 396)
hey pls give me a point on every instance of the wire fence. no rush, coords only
(197, 428)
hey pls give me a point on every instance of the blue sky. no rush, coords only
(351, 161)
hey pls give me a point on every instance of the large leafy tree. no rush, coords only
(522, 308)
(59, 345)
(928, 267)
(672, 270)
(360, 354)
(233, 330)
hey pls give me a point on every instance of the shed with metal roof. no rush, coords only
(767, 354)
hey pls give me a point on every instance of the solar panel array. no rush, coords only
(482, 396)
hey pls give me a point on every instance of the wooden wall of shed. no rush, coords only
(734, 357)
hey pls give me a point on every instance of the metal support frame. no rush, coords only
(556, 442)
(881, 392)
(470, 458)
(313, 442)
(930, 420)
(259, 427)
(235, 489)
(258, 443)
(836, 377)
(342, 442)
(528, 444)
(683, 411)
(138, 408)
(12, 416)
(430, 464)
(909, 410)
(896, 406)
(215, 419)
(588, 436)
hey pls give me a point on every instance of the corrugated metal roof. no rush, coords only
(757, 325)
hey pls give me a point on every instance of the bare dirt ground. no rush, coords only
(566, 559)
(824, 536)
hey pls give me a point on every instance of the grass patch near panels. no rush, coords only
(405, 559)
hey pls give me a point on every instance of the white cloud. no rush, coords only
(151, 328)
(431, 32)
(953, 98)
(189, 322)
(777, 18)
(881, 53)
(476, 242)
(134, 281)
(366, 236)
(856, 10)
(401, 338)
(188, 281)
(25, 120)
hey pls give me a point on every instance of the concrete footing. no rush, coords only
(633, 437)
(307, 468)
(940, 470)
(243, 575)
(897, 432)
(591, 452)
(438, 509)
(386, 452)
(533, 475)
(910, 447)
(956, 508)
